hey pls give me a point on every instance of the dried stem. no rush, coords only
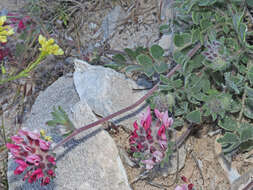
(142, 99)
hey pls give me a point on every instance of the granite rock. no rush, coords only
(107, 91)
(90, 161)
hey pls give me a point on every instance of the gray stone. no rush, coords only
(171, 167)
(243, 181)
(166, 42)
(88, 162)
(107, 91)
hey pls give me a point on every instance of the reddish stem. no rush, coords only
(142, 99)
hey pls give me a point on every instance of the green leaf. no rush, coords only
(180, 40)
(164, 79)
(160, 67)
(206, 2)
(148, 70)
(60, 117)
(249, 3)
(205, 23)
(228, 124)
(118, 58)
(226, 29)
(3, 70)
(196, 17)
(250, 75)
(246, 146)
(242, 31)
(231, 147)
(248, 110)
(132, 68)
(249, 92)
(228, 138)
(144, 60)
(140, 50)
(116, 66)
(214, 116)
(232, 82)
(235, 107)
(179, 57)
(194, 116)
(51, 123)
(195, 35)
(177, 83)
(178, 123)
(237, 19)
(164, 28)
(246, 134)
(165, 87)
(131, 53)
(156, 51)
(147, 64)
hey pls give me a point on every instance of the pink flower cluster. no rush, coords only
(150, 141)
(33, 157)
(19, 21)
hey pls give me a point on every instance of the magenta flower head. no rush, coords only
(149, 142)
(31, 152)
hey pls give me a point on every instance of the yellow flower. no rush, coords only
(42, 132)
(49, 47)
(2, 20)
(4, 30)
(48, 138)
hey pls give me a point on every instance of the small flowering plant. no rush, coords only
(47, 47)
(149, 141)
(30, 150)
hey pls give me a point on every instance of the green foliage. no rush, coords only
(148, 61)
(239, 137)
(216, 84)
(60, 117)
(194, 117)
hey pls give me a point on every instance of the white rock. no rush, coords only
(107, 91)
(166, 42)
(90, 161)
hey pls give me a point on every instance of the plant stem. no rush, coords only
(3, 130)
(142, 99)
(25, 72)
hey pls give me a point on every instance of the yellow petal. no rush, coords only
(42, 132)
(60, 52)
(48, 138)
(10, 32)
(3, 39)
(51, 41)
(2, 20)
(42, 39)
